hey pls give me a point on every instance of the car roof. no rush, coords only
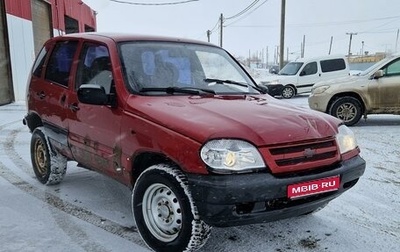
(122, 37)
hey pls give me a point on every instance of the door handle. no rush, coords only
(41, 95)
(74, 107)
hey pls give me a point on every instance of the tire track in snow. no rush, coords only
(128, 233)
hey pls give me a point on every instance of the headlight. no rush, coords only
(346, 139)
(230, 156)
(319, 90)
(274, 82)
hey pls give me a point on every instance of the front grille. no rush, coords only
(301, 156)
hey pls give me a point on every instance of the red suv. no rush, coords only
(186, 127)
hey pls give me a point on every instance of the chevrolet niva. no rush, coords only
(183, 125)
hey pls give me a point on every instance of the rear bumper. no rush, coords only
(232, 200)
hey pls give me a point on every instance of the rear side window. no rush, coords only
(60, 62)
(332, 65)
(38, 66)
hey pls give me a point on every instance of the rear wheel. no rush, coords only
(164, 211)
(49, 165)
(288, 92)
(348, 109)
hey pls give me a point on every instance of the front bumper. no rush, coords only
(319, 102)
(232, 200)
(275, 89)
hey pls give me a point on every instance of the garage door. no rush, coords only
(6, 95)
(41, 20)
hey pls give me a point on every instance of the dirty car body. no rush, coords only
(186, 127)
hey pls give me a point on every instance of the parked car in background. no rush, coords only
(300, 75)
(274, 69)
(184, 126)
(373, 91)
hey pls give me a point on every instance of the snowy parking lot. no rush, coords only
(90, 212)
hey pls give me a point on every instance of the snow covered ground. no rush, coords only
(89, 212)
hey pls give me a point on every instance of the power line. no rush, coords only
(243, 11)
(247, 14)
(153, 4)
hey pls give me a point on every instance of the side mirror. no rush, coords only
(92, 94)
(302, 73)
(378, 74)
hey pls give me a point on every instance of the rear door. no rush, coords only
(49, 83)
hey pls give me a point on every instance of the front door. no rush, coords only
(94, 130)
(385, 90)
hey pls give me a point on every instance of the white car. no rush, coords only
(300, 75)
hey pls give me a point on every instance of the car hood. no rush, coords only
(279, 79)
(260, 119)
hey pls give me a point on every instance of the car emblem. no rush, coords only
(308, 153)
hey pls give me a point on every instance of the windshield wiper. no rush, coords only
(183, 90)
(218, 81)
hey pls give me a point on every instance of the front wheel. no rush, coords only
(49, 165)
(347, 109)
(164, 211)
(288, 92)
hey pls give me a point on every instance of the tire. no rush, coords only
(49, 165)
(288, 92)
(348, 109)
(164, 211)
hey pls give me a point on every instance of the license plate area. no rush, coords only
(313, 187)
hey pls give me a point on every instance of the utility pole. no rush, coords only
(330, 46)
(221, 24)
(397, 40)
(351, 37)
(303, 46)
(282, 40)
(362, 48)
(208, 35)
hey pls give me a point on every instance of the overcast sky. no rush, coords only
(375, 22)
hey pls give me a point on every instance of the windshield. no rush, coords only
(291, 68)
(155, 68)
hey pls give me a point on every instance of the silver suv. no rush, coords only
(374, 91)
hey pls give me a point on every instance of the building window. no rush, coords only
(71, 25)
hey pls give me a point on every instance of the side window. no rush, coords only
(393, 68)
(39, 62)
(60, 62)
(332, 65)
(309, 69)
(95, 67)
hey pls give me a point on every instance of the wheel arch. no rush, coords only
(32, 120)
(144, 160)
(350, 94)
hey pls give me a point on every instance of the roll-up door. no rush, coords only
(41, 20)
(6, 95)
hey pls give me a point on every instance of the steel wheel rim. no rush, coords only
(162, 212)
(346, 112)
(40, 157)
(287, 92)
